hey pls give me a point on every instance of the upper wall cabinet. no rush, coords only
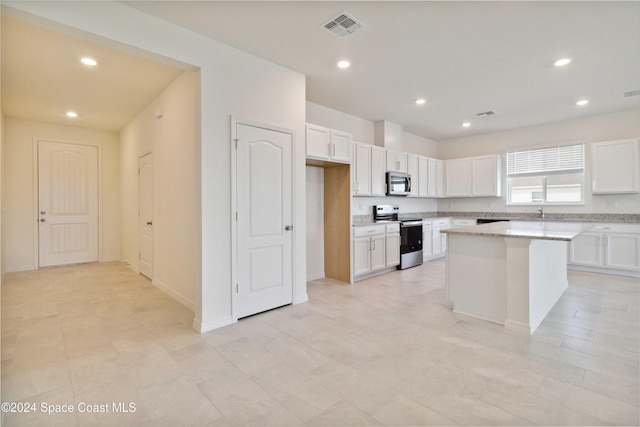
(361, 170)
(614, 167)
(368, 169)
(458, 178)
(326, 144)
(397, 161)
(474, 177)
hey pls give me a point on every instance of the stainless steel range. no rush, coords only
(410, 243)
(410, 234)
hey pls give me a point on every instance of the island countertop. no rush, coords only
(542, 230)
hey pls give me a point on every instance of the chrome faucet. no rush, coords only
(541, 210)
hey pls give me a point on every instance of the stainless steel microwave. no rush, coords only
(398, 184)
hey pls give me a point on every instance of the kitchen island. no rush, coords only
(510, 273)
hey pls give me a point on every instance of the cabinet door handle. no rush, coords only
(328, 149)
(333, 147)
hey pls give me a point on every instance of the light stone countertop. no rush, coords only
(543, 230)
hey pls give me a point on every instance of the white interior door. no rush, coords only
(67, 203)
(145, 218)
(264, 227)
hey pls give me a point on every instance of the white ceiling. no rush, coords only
(463, 57)
(42, 78)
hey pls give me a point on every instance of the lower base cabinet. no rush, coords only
(611, 248)
(375, 248)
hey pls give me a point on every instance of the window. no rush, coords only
(546, 176)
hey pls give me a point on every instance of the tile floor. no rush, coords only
(386, 351)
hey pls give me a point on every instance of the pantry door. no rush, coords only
(67, 203)
(264, 214)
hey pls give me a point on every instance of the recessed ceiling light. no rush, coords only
(344, 64)
(420, 101)
(582, 102)
(89, 61)
(466, 124)
(72, 114)
(562, 62)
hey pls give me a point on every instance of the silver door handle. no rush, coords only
(149, 222)
(288, 227)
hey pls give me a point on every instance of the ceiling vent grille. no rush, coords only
(632, 93)
(343, 25)
(487, 113)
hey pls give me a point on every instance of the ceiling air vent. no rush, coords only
(487, 113)
(343, 25)
(632, 93)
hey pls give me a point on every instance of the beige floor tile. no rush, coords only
(609, 410)
(343, 414)
(387, 350)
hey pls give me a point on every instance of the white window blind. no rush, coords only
(563, 158)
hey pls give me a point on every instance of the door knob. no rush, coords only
(42, 220)
(42, 212)
(149, 222)
(288, 227)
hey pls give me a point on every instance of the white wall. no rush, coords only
(172, 141)
(362, 130)
(315, 223)
(232, 83)
(604, 127)
(20, 214)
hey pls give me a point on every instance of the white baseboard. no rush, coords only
(301, 298)
(315, 276)
(21, 268)
(132, 267)
(110, 259)
(519, 327)
(615, 272)
(206, 327)
(173, 294)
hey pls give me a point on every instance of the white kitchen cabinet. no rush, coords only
(361, 256)
(368, 170)
(622, 251)
(474, 177)
(427, 243)
(436, 178)
(378, 252)
(397, 161)
(327, 144)
(378, 170)
(430, 177)
(614, 167)
(457, 178)
(361, 170)
(486, 176)
(423, 177)
(586, 249)
(375, 248)
(392, 245)
(438, 239)
(607, 248)
(413, 162)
